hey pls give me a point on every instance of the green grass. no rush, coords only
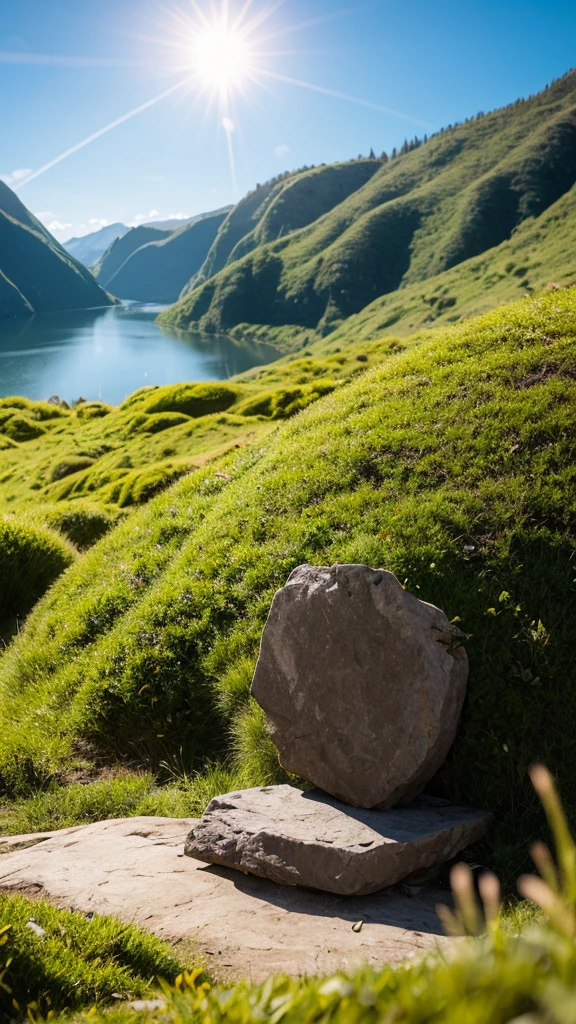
(100, 457)
(123, 795)
(458, 196)
(31, 558)
(449, 462)
(74, 961)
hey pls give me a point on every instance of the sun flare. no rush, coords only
(221, 57)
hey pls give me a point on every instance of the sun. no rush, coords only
(221, 57)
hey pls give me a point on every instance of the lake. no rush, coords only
(108, 353)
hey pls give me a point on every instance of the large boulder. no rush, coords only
(361, 682)
(312, 840)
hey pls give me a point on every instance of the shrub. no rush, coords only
(21, 428)
(157, 422)
(141, 485)
(92, 410)
(285, 402)
(83, 523)
(192, 399)
(31, 558)
(34, 410)
(73, 464)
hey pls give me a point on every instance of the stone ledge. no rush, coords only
(312, 840)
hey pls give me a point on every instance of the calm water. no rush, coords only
(107, 353)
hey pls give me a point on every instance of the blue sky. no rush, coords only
(70, 67)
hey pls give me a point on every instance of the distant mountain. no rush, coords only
(437, 204)
(36, 274)
(171, 223)
(159, 270)
(119, 251)
(90, 248)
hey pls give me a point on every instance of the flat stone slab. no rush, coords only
(134, 869)
(310, 839)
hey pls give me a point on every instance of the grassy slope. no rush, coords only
(302, 198)
(122, 248)
(540, 253)
(36, 274)
(449, 463)
(158, 271)
(118, 456)
(279, 207)
(455, 197)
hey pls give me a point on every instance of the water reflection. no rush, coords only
(107, 353)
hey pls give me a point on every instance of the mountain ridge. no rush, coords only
(38, 275)
(450, 198)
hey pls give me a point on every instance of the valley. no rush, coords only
(370, 362)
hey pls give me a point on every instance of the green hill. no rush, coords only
(159, 270)
(449, 461)
(36, 274)
(281, 206)
(453, 198)
(122, 248)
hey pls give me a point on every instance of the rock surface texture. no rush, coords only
(361, 683)
(134, 868)
(312, 840)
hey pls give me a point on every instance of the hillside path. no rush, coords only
(242, 926)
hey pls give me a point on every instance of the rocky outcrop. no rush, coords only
(362, 684)
(134, 869)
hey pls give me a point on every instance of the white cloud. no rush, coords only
(16, 176)
(52, 220)
(54, 223)
(58, 225)
(228, 125)
(177, 216)
(282, 151)
(96, 222)
(142, 218)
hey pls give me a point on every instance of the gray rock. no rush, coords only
(312, 840)
(360, 682)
